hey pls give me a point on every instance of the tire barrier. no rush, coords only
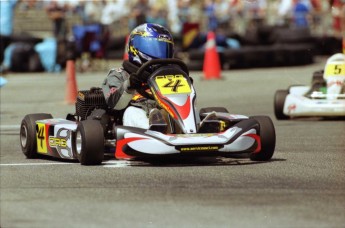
(269, 47)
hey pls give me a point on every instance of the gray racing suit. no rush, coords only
(115, 89)
(118, 96)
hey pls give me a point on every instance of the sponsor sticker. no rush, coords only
(200, 148)
(57, 142)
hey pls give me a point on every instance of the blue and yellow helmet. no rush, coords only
(149, 41)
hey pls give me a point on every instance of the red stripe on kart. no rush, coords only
(47, 126)
(258, 140)
(119, 153)
(165, 105)
(184, 110)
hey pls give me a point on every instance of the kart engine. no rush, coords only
(88, 100)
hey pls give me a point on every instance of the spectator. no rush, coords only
(301, 11)
(337, 16)
(173, 19)
(6, 16)
(210, 11)
(157, 16)
(284, 11)
(6, 26)
(113, 11)
(188, 12)
(93, 12)
(255, 10)
(56, 13)
(139, 13)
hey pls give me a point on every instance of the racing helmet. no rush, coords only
(149, 41)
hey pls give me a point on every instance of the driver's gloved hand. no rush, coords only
(134, 81)
(127, 87)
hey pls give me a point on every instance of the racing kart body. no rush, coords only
(95, 130)
(324, 98)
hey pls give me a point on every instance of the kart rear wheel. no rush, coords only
(279, 100)
(89, 142)
(28, 140)
(267, 137)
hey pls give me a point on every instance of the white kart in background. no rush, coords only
(324, 98)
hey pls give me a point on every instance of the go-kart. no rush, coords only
(324, 98)
(96, 130)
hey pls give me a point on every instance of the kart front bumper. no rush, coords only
(136, 142)
(302, 106)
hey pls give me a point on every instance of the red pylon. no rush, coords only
(125, 53)
(211, 66)
(71, 84)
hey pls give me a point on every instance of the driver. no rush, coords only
(146, 42)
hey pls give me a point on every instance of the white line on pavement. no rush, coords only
(9, 127)
(106, 164)
(35, 164)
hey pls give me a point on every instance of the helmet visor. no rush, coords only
(154, 47)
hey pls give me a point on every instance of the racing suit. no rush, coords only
(118, 96)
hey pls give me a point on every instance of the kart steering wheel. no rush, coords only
(145, 67)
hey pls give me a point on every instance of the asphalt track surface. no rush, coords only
(302, 186)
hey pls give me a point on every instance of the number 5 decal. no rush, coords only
(337, 69)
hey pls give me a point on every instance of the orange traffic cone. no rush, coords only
(211, 67)
(71, 84)
(125, 54)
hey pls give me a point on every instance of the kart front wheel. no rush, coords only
(89, 142)
(279, 100)
(267, 139)
(28, 140)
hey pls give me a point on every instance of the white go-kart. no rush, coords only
(324, 98)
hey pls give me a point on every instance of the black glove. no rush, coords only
(134, 81)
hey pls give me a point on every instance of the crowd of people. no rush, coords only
(323, 17)
(211, 14)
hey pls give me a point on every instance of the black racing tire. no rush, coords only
(267, 138)
(89, 142)
(279, 100)
(28, 141)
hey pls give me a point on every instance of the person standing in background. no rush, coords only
(301, 13)
(139, 13)
(336, 6)
(6, 16)
(6, 27)
(93, 11)
(284, 12)
(56, 13)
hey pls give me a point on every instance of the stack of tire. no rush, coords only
(115, 47)
(272, 46)
(265, 46)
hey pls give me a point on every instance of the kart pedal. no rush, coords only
(157, 121)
